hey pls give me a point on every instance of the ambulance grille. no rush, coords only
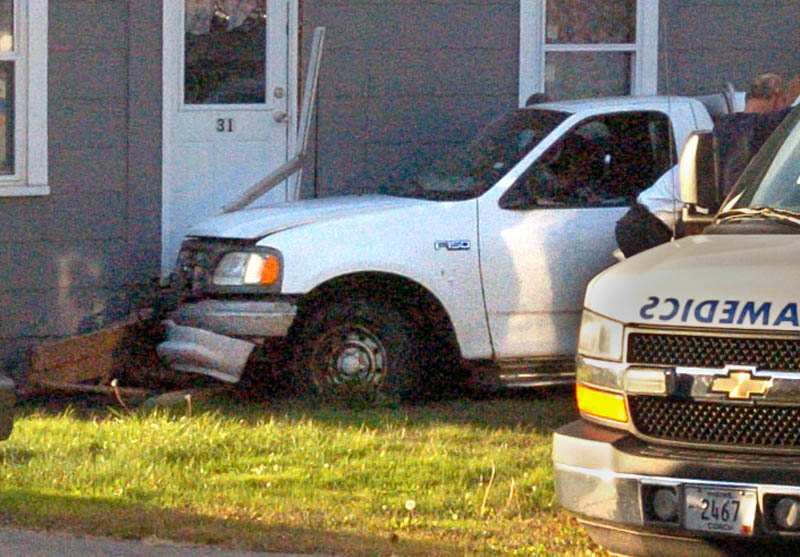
(714, 423)
(773, 354)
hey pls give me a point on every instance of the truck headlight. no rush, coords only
(600, 337)
(242, 268)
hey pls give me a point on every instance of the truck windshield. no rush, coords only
(772, 180)
(474, 167)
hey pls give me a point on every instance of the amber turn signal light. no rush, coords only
(602, 404)
(270, 270)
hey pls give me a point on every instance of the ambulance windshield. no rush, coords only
(772, 180)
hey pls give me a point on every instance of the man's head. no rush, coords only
(767, 94)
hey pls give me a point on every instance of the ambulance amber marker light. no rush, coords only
(609, 406)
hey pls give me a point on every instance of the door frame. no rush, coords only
(169, 85)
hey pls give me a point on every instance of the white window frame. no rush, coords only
(30, 101)
(533, 47)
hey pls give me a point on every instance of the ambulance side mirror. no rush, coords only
(698, 171)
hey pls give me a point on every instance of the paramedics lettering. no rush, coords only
(720, 312)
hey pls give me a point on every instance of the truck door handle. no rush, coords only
(280, 116)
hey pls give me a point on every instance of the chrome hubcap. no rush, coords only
(354, 359)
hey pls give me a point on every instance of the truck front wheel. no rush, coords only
(359, 349)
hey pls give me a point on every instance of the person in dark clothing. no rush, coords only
(738, 138)
(639, 229)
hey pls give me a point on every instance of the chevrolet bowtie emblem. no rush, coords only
(740, 385)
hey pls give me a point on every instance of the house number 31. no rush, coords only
(224, 125)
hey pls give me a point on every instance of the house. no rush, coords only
(122, 122)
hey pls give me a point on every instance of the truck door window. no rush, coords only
(603, 161)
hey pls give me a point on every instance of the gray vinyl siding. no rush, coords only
(402, 81)
(704, 43)
(70, 261)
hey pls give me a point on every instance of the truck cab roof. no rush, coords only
(611, 104)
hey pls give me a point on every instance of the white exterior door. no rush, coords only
(228, 106)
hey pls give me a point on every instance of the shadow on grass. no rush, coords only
(542, 410)
(124, 520)
(15, 455)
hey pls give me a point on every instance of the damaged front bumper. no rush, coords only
(215, 337)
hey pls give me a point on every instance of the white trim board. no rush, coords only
(29, 56)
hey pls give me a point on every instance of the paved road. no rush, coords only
(14, 542)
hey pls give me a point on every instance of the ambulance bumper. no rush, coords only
(610, 479)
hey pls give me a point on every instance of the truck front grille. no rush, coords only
(773, 354)
(194, 267)
(196, 263)
(690, 421)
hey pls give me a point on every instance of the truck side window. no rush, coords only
(643, 149)
(602, 162)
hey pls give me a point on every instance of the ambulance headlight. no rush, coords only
(255, 269)
(600, 337)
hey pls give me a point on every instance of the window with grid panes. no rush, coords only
(588, 48)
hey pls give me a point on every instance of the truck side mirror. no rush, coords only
(698, 171)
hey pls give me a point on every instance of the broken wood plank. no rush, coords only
(307, 108)
(100, 389)
(261, 187)
(293, 166)
(96, 356)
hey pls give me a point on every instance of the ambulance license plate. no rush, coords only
(720, 510)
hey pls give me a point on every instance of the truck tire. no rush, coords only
(359, 350)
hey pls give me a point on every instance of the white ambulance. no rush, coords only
(688, 380)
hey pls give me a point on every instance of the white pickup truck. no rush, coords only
(482, 257)
(688, 378)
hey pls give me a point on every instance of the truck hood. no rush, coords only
(721, 281)
(256, 223)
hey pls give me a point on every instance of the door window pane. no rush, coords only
(602, 162)
(6, 118)
(640, 150)
(225, 51)
(573, 75)
(591, 21)
(6, 25)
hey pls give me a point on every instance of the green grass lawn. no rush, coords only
(460, 477)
